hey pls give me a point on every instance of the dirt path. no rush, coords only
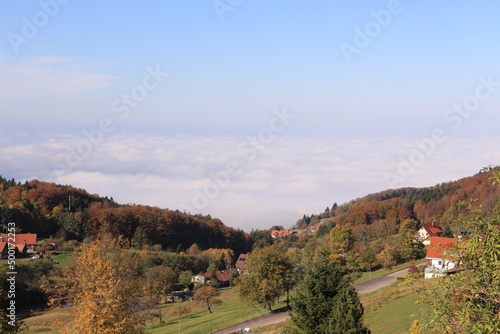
(274, 318)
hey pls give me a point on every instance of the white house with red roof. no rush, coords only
(441, 252)
(428, 231)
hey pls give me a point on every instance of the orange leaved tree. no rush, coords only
(105, 291)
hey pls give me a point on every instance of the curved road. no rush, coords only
(274, 318)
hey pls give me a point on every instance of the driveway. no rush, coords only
(274, 318)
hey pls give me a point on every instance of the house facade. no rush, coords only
(428, 231)
(440, 253)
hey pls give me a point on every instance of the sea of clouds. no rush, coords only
(284, 179)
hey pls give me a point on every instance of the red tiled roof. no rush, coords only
(29, 239)
(440, 248)
(222, 276)
(436, 230)
(433, 229)
(3, 246)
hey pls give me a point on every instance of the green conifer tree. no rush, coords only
(325, 301)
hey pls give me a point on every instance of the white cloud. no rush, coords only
(292, 176)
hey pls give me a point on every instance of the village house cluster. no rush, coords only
(287, 233)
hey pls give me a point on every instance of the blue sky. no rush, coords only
(358, 118)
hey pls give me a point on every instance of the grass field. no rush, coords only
(394, 308)
(49, 321)
(64, 259)
(374, 274)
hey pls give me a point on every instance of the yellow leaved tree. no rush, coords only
(105, 291)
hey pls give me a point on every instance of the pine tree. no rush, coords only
(326, 302)
(346, 316)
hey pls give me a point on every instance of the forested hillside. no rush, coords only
(378, 230)
(443, 203)
(64, 211)
(55, 210)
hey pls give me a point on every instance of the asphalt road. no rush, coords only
(265, 320)
(379, 282)
(274, 318)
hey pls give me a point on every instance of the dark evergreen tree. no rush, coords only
(261, 239)
(347, 314)
(447, 232)
(324, 229)
(326, 301)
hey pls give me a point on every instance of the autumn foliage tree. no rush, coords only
(158, 282)
(409, 248)
(270, 275)
(104, 290)
(209, 296)
(341, 240)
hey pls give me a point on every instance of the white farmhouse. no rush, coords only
(440, 252)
